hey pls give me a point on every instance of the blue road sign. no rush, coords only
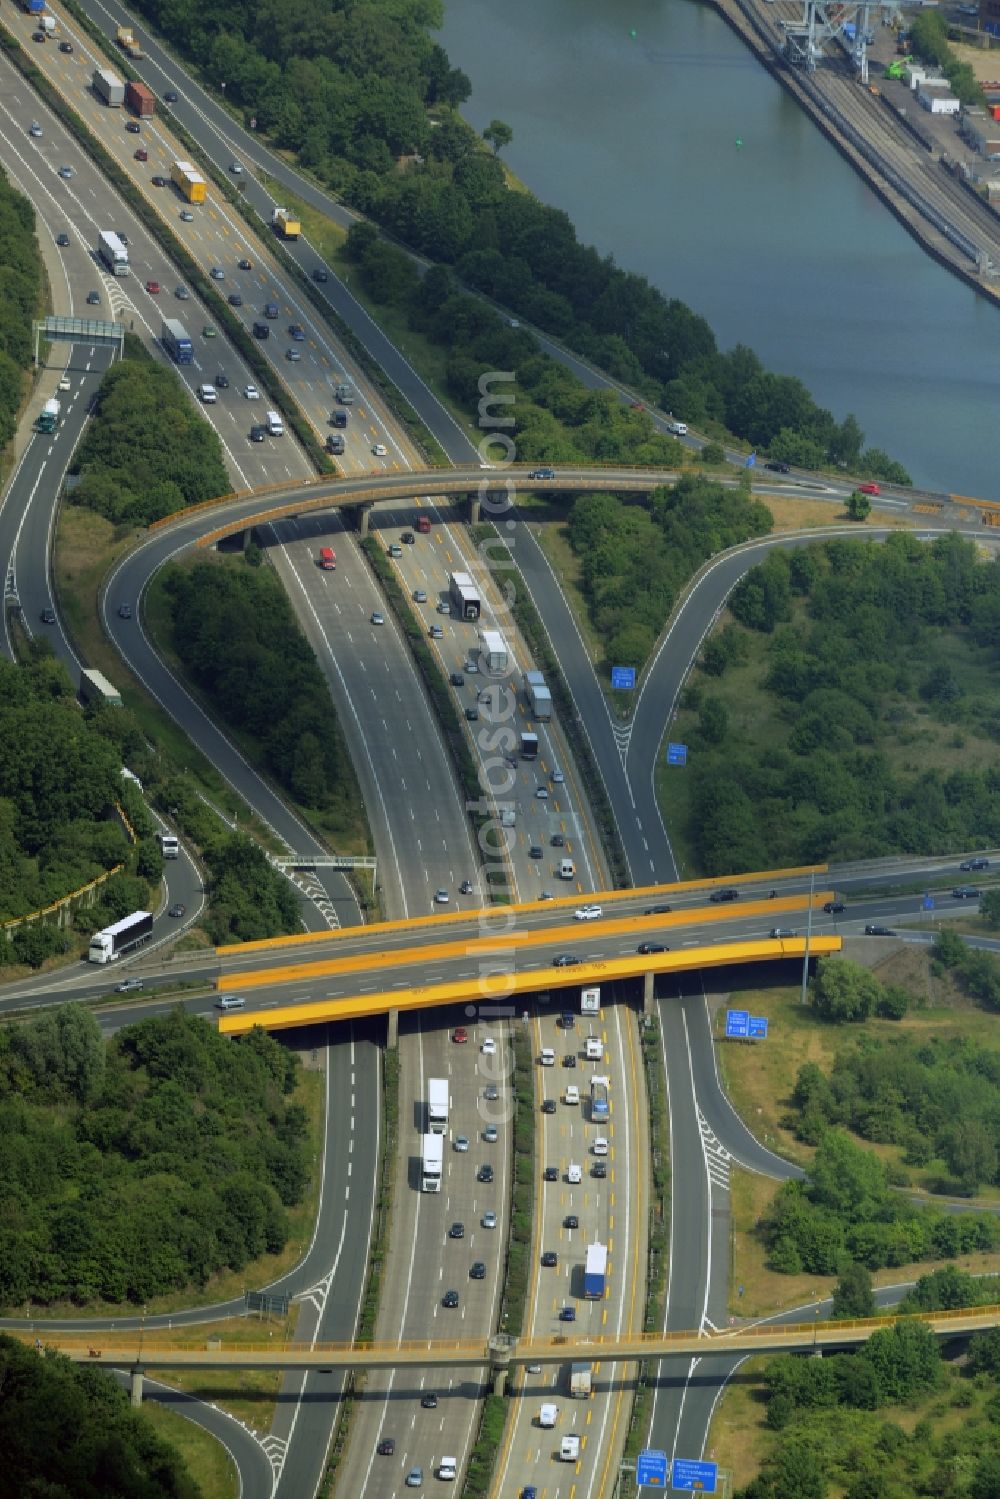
(651, 1469)
(696, 1478)
(752, 461)
(758, 1027)
(677, 754)
(623, 677)
(928, 903)
(738, 1023)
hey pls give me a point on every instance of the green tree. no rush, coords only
(859, 506)
(844, 991)
(853, 1296)
(989, 907)
(498, 134)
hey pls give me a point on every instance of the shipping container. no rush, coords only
(140, 99)
(188, 181)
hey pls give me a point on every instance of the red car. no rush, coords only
(460, 1035)
(869, 489)
(153, 287)
(142, 154)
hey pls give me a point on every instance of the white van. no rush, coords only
(448, 1468)
(569, 1449)
(572, 1094)
(508, 817)
(207, 395)
(600, 1146)
(574, 1174)
(567, 869)
(548, 1415)
(275, 425)
(594, 1049)
(229, 1002)
(548, 1057)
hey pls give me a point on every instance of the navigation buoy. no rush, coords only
(633, 33)
(739, 142)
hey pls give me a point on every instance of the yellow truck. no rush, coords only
(188, 181)
(285, 225)
(128, 42)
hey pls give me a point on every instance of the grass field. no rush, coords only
(207, 1459)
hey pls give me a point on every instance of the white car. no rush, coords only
(557, 778)
(377, 618)
(64, 383)
(66, 172)
(572, 1094)
(441, 897)
(380, 450)
(542, 794)
(236, 169)
(489, 1047)
(35, 129)
(588, 913)
(251, 392)
(461, 1142)
(489, 1220)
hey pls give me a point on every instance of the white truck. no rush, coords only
(437, 1105)
(112, 942)
(548, 1416)
(493, 653)
(538, 695)
(581, 1381)
(569, 1449)
(431, 1162)
(170, 845)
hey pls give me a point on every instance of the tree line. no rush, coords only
(143, 1164)
(148, 453)
(365, 101)
(856, 650)
(21, 280)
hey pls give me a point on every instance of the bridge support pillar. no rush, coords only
(362, 516)
(135, 1386)
(475, 509)
(392, 1030)
(648, 996)
(501, 1347)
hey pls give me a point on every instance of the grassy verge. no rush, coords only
(508, 580)
(383, 1198)
(206, 1458)
(479, 1474)
(518, 1274)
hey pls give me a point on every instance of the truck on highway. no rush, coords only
(170, 845)
(285, 224)
(95, 687)
(599, 1099)
(33, 7)
(109, 87)
(437, 1105)
(529, 746)
(493, 652)
(464, 596)
(538, 695)
(140, 99)
(129, 43)
(48, 418)
(112, 252)
(431, 1162)
(112, 942)
(595, 1272)
(188, 181)
(176, 341)
(581, 1381)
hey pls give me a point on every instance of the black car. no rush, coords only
(657, 910)
(159, 181)
(477, 1270)
(542, 473)
(456, 679)
(124, 611)
(271, 309)
(48, 616)
(566, 960)
(450, 1299)
(234, 299)
(62, 239)
(386, 1447)
(968, 865)
(222, 381)
(178, 909)
(599, 1169)
(834, 907)
(320, 275)
(429, 1401)
(170, 97)
(779, 468)
(966, 892)
(339, 418)
(93, 299)
(873, 930)
(245, 265)
(465, 888)
(457, 1231)
(648, 947)
(133, 127)
(408, 538)
(571, 1221)
(38, 36)
(718, 896)
(557, 840)
(485, 1173)
(536, 851)
(261, 330)
(258, 434)
(550, 1259)
(472, 714)
(569, 1060)
(66, 47)
(491, 1093)
(551, 1174)
(548, 1105)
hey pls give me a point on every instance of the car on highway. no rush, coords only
(542, 473)
(874, 929)
(551, 1174)
(124, 611)
(491, 1093)
(443, 607)
(490, 1134)
(461, 1142)
(719, 897)
(571, 1220)
(777, 467)
(441, 897)
(420, 596)
(222, 381)
(966, 892)
(542, 794)
(415, 1477)
(967, 865)
(781, 931)
(436, 633)
(158, 181)
(567, 1314)
(456, 679)
(548, 1105)
(457, 1231)
(208, 331)
(450, 1300)
(251, 392)
(178, 909)
(599, 1169)
(679, 429)
(386, 1447)
(566, 960)
(64, 383)
(170, 97)
(133, 127)
(408, 539)
(153, 287)
(258, 433)
(869, 489)
(380, 450)
(645, 948)
(235, 299)
(93, 299)
(485, 1173)
(35, 129)
(557, 840)
(489, 1047)
(296, 331)
(63, 239)
(529, 1491)
(558, 778)
(182, 294)
(472, 715)
(377, 618)
(129, 986)
(588, 913)
(38, 36)
(550, 1259)
(187, 217)
(66, 47)
(236, 169)
(140, 154)
(477, 1270)
(489, 1220)
(572, 1095)
(833, 907)
(245, 265)
(536, 851)
(465, 888)
(429, 1400)
(271, 310)
(460, 1035)
(569, 1060)
(48, 616)
(293, 356)
(66, 172)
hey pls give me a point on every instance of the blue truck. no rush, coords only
(595, 1272)
(176, 341)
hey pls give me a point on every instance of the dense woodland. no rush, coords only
(850, 713)
(68, 1431)
(142, 1164)
(21, 278)
(148, 453)
(358, 92)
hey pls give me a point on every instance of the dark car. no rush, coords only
(222, 381)
(170, 97)
(159, 181)
(548, 1105)
(124, 611)
(567, 1314)
(477, 1270)
(465, 888)
(874, 930)
(571, 1221)
(93, 299)
(966, 892)
(429, 1401)
(245, 265)
(296, 332)
(133, 127)
(565, 960)
(657, 910)
(334, 443)
(66, 47)
(62, 239)
(408, 539)
(569, 1060)
(457, 1231)
(718, 896)
(450, 1299)
(968, 865)
(178, 909)
(550, 1259)
(386, 1447)
(38, 36)
(551, 1174)
(271, 309)
(485, 1174)
(258, 434)
(320, 275)
(340, 418)
(834, 907)
(599, 1169)
(472, 714)
(542, 473)
(648, 947)
(261, 330)
(536, 851)
(491, 1093)
(234, 299)
(48, 616)
(557, 840)
(779, 468)
(456, 679)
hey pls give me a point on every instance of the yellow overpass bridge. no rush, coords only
(180, 1352)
